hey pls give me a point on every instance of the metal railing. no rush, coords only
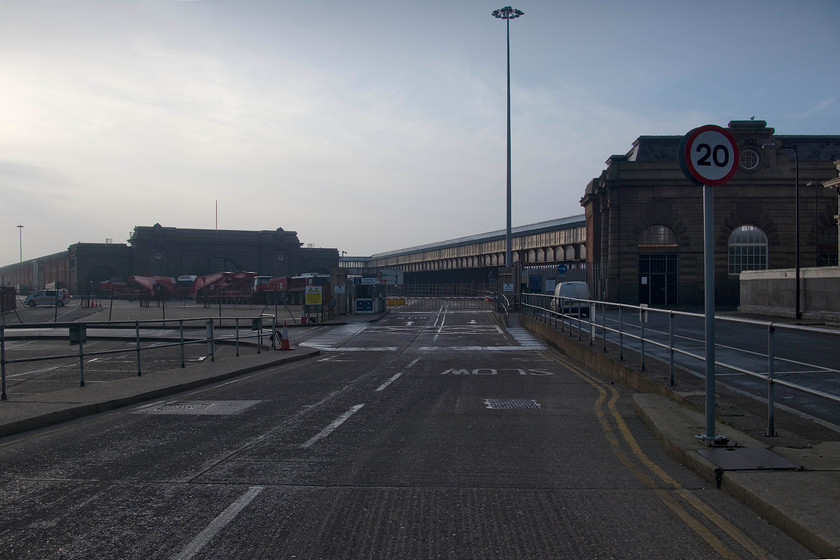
(212, 333)
(620, 323)
(502, 307)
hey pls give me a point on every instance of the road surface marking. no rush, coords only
(34, 371)
(394, 378)
(333, 425)
(219, 523)
(704, 511)
(397, 376)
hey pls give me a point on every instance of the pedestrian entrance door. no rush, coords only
(658, 274)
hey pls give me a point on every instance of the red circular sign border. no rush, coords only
(691, 136)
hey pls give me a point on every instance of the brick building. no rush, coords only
(644, 219)
(168, 251)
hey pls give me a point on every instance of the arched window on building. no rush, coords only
(658, 236)
(747, 249)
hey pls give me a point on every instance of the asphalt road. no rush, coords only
(430, 434)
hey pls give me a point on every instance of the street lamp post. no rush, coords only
(797, 312)
(20, 239)
(507, 13)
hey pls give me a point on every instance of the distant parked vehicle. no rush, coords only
(567, 298)
(59, 297)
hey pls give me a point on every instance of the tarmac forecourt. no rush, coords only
(34, 411)
(792, 480)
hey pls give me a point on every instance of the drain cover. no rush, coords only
(512, 404)
(216, 408)
(744, 459)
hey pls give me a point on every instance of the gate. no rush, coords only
(658, 279)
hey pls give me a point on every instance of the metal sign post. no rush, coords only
(708, 156)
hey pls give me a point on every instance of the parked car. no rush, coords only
(59, 297)
(568, 298)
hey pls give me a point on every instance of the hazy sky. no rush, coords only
(370, 126)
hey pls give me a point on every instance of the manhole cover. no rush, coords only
(744, 459)
(218, 408)
(512, 404)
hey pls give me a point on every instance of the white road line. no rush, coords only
(33, 372)
(219, 523)
(335, 424)
(144, 406)
(397, 376)
(385, 385)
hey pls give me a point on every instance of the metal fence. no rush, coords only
(450, 303)
(183, 332)
(649, 330)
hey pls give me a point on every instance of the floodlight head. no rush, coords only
(507, 13)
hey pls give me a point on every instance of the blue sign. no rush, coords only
(562, 268)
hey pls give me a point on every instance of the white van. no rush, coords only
(567, 298)
(59, 297)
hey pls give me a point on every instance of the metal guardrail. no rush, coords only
(495, 302)
(77, 334)
(433, 303)
(545, 307)
(503, 308)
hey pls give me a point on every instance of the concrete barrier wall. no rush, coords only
(771, 292)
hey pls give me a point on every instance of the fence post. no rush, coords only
(181, 326)
(620, 334)
(209, 337)
(771, 386)
(236, 330)
(562, 310)
(671, 381)
(81, 360)
(137, 337)
(604, 324)
(3, 362)
(642, 317)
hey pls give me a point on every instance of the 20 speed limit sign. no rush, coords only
(708, 155)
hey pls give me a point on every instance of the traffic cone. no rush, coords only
(284, 342)
(303, 315)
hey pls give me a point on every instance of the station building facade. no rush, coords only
(639, 240)
(169, 251)
(476, 259)
(644, 219)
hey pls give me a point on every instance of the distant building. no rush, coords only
(644, 219)
(168, 251)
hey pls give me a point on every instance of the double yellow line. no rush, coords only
(654, 477)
